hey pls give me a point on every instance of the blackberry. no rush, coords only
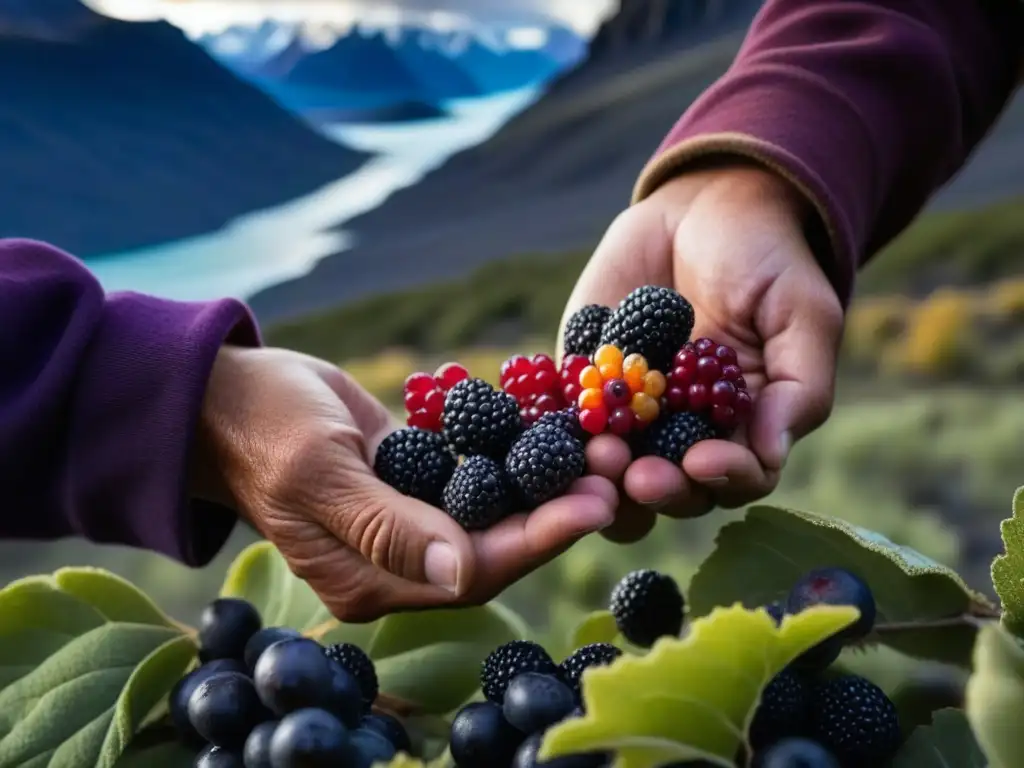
(582, 659)
(479, 494)
(478, 419)
(568, 419)
(671, 436)
(416, 463)
(509, 660)
(354, 660)
(544, 462)
(783, 711)
(855, 720)
(652, 321)
(647, 605)
(583, 330)
(836, 586)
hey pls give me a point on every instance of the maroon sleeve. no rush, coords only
(865, 106)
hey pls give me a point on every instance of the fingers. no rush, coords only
(608, 456)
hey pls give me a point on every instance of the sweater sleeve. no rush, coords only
(866, 106)
(100, 396)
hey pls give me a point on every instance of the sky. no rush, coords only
(204, 16)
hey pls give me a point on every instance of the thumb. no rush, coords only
(801, 322)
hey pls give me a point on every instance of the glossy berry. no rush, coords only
(354, 660)
(526, 757)
(836, 586)
(583, 330)
(424, 400)
(652, 321)
(224, 709)
(482, 738)
(567, 419)
(183, 690)
(543, 463)
(594, 421)
(218, 757)
(535, 383)
(509, 660)
(390, 728)
(480, 420)
(647, 605)
(295, 674)
(310, 738)
(569, 376)
(582, 659)
(796, 753)
(262, 640)
(673, 434)
(257, 747)
(855, 720)
(533, 702)
(616, 393)
(225, 626)
(479, 494)
(450, 374)
(415, 463)
(705, 378)
(783, 711)
(621, 421)
(368, 748)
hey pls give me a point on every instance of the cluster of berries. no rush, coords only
(804, 719)
(267, 697)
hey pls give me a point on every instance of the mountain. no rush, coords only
(44, 19)
(497, 70)
(439, 74)
(245, 47)
(121, 135)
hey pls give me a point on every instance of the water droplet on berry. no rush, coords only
(723, 393)
(621, 421)
(616, 393)
(709, 370)
(420, 382)
(698, 396)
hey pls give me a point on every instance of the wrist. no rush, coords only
(206, 473)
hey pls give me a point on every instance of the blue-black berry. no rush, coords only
(795, 753)
(218, 757)
(262, 640)
(583, 330)
(653, 321)
(510, 660)
(526, 757)
(673, 434)
(479, 494)
(367, 748)
(415, 462)
(182, 692)
(480, 420)
(855, 720)
(225, 626)
(354, 660)
(836, 586)
(390, 728)
(481, 737)
(544, 462)
(310, 738)
(224, 709)
(647, 605)
(296, 674)
(534, 702)
(783, 711)
(582, 659)
(257, 747)
(567, 419)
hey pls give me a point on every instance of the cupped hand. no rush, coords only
(288, 441)
(731, 241)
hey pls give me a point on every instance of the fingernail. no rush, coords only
(715, 482)
(785, 444)
(440, 566)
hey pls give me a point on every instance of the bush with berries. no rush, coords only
(752, 664)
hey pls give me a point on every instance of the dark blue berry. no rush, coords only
(262, 640)
(783, 711)
(309, 738)
(855, 720)
(218, 757)
(509, 660)
(224, 709)
(526, 757)
(296, 674)
(367, 748)
(391, 729)
(836, 586)
(182, 692)
(354, 660)
(533, 702)
(225, 627)
(796, 753)
(481, 737)
(257, 747)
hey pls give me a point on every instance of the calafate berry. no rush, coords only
(647, 605)
(416, 463)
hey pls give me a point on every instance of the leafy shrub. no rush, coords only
(938, 335)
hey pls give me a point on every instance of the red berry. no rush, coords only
(415, 400)
(572, 392)
(698, 397)
(682, 377)
(572, 365)
(544, 380)
(676, 399)
(423, 419)
(709, 369)
(726, 354)
(743, 404)
(732, 372)
(433, 403)
(594, 420)
(547, 403)
(420, 382)
(450, 374)
(703, 346)
(686, 358)
(707, 378)
(544, 363)
(530, 415)
(723, 393)
(723, 416)
(617, 393)
(621, 421)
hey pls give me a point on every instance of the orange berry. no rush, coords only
(655, 384)
(611, 371)
(591, 398)
(608, 355)
(645, 407)
(590, 378)
(635, 362)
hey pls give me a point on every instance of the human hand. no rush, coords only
(730, 241)
(288, 441)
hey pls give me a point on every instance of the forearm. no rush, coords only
(866, 107)
(100, 398)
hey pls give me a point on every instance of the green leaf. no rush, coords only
(260, 575)
(114, 597)
(995, 696)
(156, 747)
(76, 687)
(946, 743)
(1008, 568)
(692, 698)
(597, 627)
(925, 610)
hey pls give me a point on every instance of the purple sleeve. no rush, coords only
(100, 396)
(865, 106)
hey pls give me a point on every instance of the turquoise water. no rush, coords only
(268, 246)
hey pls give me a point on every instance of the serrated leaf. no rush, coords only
(692, 698)
(596, 627)
(995, 696)
(1008, 568)
(948, 742)
(925, 610)
(116, 598)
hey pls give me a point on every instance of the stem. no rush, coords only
(963, 620)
